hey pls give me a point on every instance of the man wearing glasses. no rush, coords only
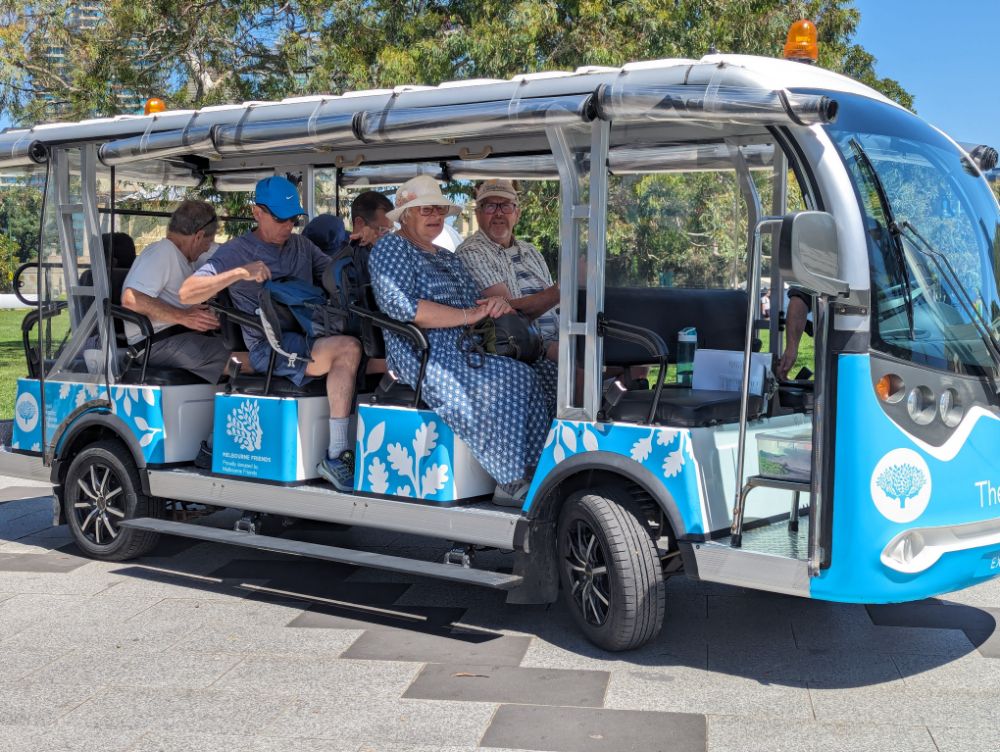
(152, 288)
(510, 268)
(273, 251)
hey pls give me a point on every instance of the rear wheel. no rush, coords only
(102, 490)
(611, 577)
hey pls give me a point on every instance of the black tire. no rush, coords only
(102, 488)
(620, 606)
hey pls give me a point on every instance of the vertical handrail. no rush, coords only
(597, 222)
(815, 552)
(570, 212)
(753, 286)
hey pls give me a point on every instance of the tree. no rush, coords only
(59, 61)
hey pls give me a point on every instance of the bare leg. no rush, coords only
(337, 358)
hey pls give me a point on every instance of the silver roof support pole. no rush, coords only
(93, 249)
(779, 205)
(596, 247)
(64, 210)
(309, 190)
(571, 213)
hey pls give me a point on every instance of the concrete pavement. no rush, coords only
(204, 647)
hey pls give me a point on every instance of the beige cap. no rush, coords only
(423, 190)
(496, 188)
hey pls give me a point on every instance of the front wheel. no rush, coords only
(611, 577)
(102, 490)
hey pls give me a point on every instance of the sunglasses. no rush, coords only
(212, 221)
(295, 221)
(426, 211)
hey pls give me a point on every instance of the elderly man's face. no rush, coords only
(271, 229)
(497, 217)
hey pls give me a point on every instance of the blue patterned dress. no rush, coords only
(502, 410)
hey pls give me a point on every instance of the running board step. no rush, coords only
(453, 572)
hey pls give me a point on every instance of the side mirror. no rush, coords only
(809, 254)
(25, 283)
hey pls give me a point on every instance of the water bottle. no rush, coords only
(687, 343)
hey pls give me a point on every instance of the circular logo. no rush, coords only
(901, 485)
(26, 412)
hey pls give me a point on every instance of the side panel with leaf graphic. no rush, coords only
(412, 454)
(667, 453)
(139, 407)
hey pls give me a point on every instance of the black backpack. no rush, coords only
(348, 282)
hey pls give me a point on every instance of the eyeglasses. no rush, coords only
(491, 207)
(296, 221)
(426, 211)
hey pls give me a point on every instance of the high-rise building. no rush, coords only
(85, 16)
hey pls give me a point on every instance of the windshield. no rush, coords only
(909, 177)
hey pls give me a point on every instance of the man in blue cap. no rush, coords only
(273, 251)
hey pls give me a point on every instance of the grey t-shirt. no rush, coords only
(298, 258)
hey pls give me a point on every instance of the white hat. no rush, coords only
(423, 190)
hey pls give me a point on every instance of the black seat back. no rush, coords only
(232, 333)
(719, 316)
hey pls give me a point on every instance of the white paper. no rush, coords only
(722, 370)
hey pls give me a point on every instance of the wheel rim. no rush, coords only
(99, 504)
(586, 564)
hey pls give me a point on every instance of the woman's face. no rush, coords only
(424, 227)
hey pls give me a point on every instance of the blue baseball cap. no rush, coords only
(280, 197)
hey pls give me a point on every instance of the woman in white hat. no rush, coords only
(495, 404)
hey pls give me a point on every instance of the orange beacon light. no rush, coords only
(154, 105)
(801, 44)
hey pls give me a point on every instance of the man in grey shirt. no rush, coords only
(273, 251)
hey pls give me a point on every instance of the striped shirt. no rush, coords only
(520, 267)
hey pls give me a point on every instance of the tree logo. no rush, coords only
(901, 485)
(26, 412)
(243, 426)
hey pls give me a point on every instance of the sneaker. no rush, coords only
(510, 494)
(339, 472)
(204, 458)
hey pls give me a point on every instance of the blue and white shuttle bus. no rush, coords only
(873, 482)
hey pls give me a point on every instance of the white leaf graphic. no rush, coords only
(404, 491)
(133, 393)
(375, 438)
(434, 480)
(81, 397)
(361, 425)
(91, 390)
(558, 454)
(36, 447)
(641, 449)
(673, 462)
(552, 435)
(147, 439)
(589, 440)
(400, 460)
(378, 477)
(141, 423)
(243, 426)
(119, 392)
(147, 394)
(666, 436)
(569, 438)
(425, 440)
(128, 406)
(64, 390)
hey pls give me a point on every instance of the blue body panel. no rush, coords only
(256, 437)
(666, 452)
(139, 407)
(887, 481)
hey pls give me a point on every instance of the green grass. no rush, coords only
(12, 363)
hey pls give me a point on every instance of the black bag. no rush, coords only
(511, 335)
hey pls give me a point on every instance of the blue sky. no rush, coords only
(942, 53)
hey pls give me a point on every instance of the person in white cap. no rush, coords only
(497, 405)
(504, 265)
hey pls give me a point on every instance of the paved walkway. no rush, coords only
(203, 648)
